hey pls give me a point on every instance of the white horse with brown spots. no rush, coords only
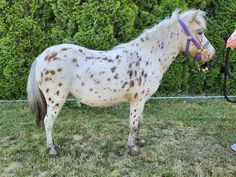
(130, 72)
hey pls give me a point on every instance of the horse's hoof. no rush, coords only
(56, 146)
(142, 143)
(52, 152)
(134, 151)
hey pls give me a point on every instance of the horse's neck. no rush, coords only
(163, 41)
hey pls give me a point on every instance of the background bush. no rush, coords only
(29, 27)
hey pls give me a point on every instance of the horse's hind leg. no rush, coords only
(53, 109)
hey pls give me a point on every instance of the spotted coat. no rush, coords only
(129, 73)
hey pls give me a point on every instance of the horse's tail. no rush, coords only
(36, 98)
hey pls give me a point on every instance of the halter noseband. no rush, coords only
(191, 39)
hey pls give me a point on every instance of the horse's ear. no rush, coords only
(194, 16)
(174, 16)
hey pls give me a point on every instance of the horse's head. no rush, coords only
(194, 42)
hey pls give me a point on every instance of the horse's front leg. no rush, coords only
(136, 111)
(140, 138)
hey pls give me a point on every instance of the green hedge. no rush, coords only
(28, 27)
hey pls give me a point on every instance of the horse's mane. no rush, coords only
(185, 16)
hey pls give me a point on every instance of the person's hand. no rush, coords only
(231, 42)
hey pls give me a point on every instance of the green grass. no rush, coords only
(184, 138)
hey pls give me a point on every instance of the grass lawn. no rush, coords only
(184, 138)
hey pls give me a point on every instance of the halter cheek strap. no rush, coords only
(191, 39)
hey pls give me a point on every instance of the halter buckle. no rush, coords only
(201, 50)
(189, 38)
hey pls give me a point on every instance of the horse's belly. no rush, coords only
(92, 93)
(97, 85)
(100, 99)
(102, 103)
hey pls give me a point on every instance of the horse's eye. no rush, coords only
(200, 33)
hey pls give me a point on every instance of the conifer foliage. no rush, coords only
(29, 27)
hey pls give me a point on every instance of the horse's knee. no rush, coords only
(134, 129)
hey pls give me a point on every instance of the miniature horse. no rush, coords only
(130, 72)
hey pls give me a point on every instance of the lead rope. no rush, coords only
(225, 69)
(227, 74)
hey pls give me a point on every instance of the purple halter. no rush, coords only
(191, 39)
